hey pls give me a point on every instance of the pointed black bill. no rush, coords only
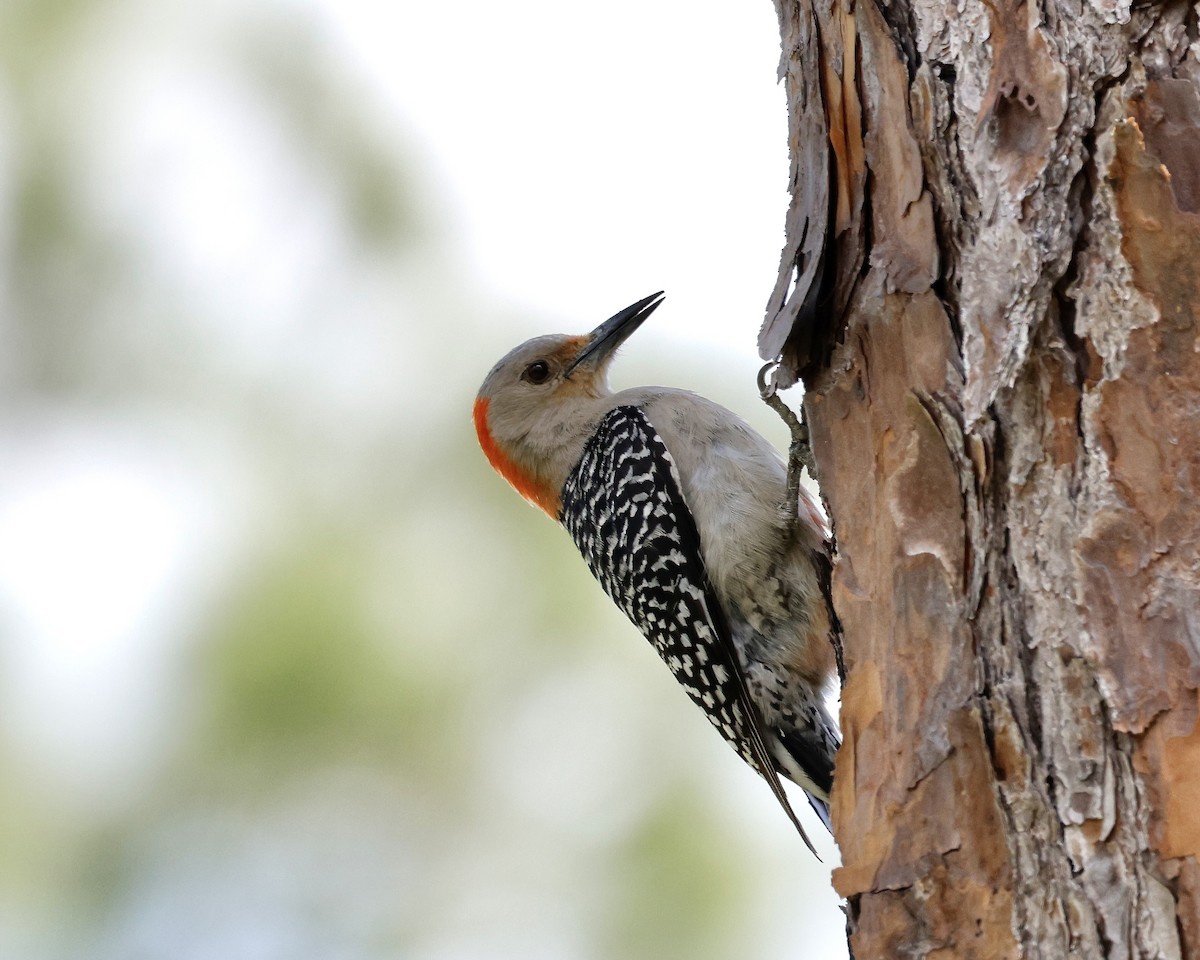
(615, 330)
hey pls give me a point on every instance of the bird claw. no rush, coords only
(768, 388)
(799, 452)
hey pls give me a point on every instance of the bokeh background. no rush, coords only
(285, 671)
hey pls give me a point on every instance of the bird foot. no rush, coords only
(800, 456)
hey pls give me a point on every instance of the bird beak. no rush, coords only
(615, 331)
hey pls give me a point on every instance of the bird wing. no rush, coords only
(624, 508)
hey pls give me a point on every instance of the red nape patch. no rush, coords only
(522, 481)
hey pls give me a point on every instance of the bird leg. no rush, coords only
(800, 450)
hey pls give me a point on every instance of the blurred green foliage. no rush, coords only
(350, 735)
(296, 675)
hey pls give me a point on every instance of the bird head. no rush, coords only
(535, 403)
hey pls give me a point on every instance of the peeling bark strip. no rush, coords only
(991, 287)
(791, 313)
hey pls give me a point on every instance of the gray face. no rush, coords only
(531, 381)
(513, 367)
(540, 397)
(559, 363)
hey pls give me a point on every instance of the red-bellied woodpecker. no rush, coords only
(677, 506)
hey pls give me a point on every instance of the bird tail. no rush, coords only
(806, 758)
(822, 809)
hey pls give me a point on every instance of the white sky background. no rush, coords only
(574, 164)
(588, 155)
(591, 154)
(577, 157)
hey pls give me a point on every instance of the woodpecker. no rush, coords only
(677, 506)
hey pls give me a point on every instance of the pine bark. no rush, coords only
(990, 290)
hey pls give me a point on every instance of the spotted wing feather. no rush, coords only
(623, 506)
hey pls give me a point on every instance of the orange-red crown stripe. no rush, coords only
(524, 482)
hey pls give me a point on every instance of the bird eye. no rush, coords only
(537, 372)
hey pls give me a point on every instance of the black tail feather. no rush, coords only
(822, 809)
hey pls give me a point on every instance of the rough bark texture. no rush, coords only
(991, 290)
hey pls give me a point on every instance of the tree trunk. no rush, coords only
(991, 290)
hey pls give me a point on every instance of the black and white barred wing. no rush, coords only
(623, 506)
